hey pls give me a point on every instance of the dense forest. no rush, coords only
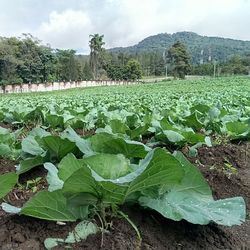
(212, 56)
(28, 60)
(202, 48)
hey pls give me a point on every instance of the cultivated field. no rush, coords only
(153, 166)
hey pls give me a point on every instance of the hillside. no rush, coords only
(214, 48)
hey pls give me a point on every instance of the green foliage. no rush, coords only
(234, 66)
(96, 53)
(26, 60)
(163, 182)
(87, 73)
(9, 145)
(179, 60)
(115, 72)
(116, 159)
(193, 192)
(220, 49)
(32, 184)
(50, 206)
(203, 69)
(133, 70)
(7, 182)
(68, 67)
(238, 130)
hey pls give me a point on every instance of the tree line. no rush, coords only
(119, 66)
(27, 60)
(236, 65)
(201, 48)
(175, 61)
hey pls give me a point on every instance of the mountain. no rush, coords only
(212, 48)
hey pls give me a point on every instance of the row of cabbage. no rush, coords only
(159, 113)
(122, 160)
(106, 171)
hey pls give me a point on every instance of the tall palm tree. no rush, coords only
(96, 42)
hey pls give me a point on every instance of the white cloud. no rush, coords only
(68, 29)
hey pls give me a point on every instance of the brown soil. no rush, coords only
(10, 126)
(6, 125)
(22, 193)
(85, 133)
(18, 232)
(7, 166)
(227, 170)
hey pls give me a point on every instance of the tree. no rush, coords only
(115, 72)
(96, 51)
(179, 59)
(133, 70)
(68, 67)
(8, 61)
(206, 69)
(86, 73)
(31, 66)
(49, 61)
(235, 66)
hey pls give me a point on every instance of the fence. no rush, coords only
(42, 87)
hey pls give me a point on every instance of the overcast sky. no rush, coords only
(68, 23)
